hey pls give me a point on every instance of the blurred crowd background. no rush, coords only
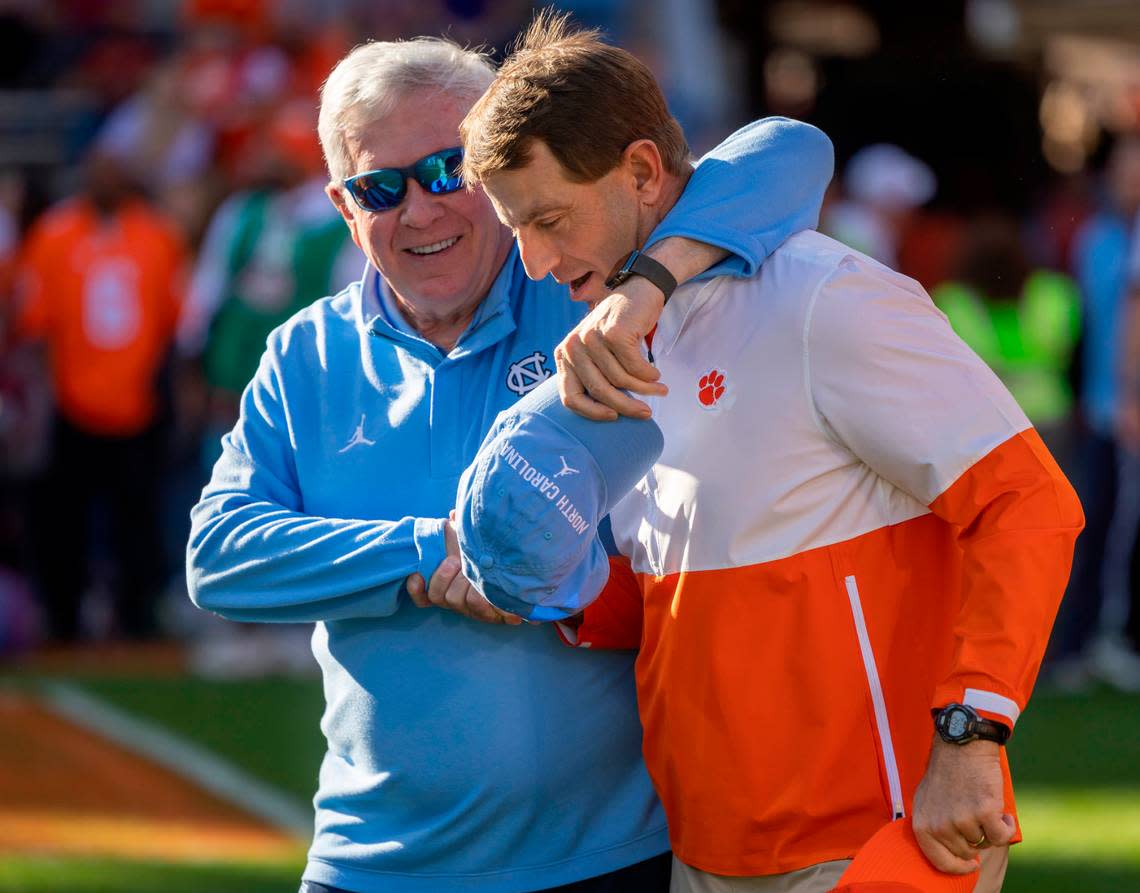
(990, 149)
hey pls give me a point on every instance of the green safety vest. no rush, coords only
(1029, 342)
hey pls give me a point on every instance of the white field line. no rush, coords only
(192, 762)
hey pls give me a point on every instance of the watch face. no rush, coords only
(956, 723)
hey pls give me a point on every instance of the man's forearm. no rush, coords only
(251, 560)
(685, 258)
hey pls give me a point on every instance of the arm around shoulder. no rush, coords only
(763, 184)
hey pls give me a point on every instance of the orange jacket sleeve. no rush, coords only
(897, 388)
(1018, 518)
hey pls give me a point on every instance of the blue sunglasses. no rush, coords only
(384, 189)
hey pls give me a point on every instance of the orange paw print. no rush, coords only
(710, 388)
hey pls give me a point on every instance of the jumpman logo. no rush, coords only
(566, 469)
(358, 437)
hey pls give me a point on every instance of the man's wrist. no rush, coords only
(642, 266)
(959, 724)
(976, 747)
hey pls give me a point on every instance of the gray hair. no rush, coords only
(368, 82)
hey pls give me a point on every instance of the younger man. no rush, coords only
(852, 524)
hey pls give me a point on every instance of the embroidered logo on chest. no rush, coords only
(528, 373)
(712, 388)
(358, 438)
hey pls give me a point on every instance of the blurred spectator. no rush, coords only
(1023, 323)
(1110, 260)
(233, 80)
(267, 251)
(1089, 640)
(169, 148)
(882, 188)
(100, 293)
(930, 247)
(1055, 223)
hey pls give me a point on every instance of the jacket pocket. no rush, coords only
(882, 723)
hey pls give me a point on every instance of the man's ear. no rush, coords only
(643, 159)
(340, 201)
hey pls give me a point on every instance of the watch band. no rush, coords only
(960, 724)
(638, 264)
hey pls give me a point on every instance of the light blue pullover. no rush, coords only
(460, 755)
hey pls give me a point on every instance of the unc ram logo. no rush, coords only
(528, 373)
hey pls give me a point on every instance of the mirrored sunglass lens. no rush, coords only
(439, 173)
(379, 191)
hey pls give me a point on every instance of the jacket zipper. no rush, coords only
(880, 704)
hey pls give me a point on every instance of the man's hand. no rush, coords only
(449, 589)
(958, 801)
(602, 355)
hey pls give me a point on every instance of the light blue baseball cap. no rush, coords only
(528, 507)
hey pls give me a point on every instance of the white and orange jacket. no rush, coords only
(852, 523)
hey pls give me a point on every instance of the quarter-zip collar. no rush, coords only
(493, 321)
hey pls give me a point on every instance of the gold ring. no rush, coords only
(981, 840)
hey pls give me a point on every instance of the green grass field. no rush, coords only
(1076, 762)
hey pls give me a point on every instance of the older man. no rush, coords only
(852, 524)
(460, 754)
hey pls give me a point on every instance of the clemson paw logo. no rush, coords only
(710, 388)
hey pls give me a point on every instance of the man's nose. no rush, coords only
(538, 255)
(420, 208)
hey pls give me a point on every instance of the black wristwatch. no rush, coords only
(959, 724)
(638, 264)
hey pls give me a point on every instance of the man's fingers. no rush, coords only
(942, 856)
(584, 405)
(455, 599)
(999, 829)
(965, 835)
(602, 391)
(628, 353)
(417, 590)
(510, 619)
(479, 608)
(616, 361)
(441, 581)
(573, 394)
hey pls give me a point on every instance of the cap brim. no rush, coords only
(892, 862)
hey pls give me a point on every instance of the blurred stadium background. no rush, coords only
(988, 148)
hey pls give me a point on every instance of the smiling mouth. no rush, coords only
(433, 248)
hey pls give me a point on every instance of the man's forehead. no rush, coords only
(379, 147)
(419, 123)
(526, 193)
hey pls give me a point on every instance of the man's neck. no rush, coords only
(442, 330)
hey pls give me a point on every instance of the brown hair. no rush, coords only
(586, 100)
